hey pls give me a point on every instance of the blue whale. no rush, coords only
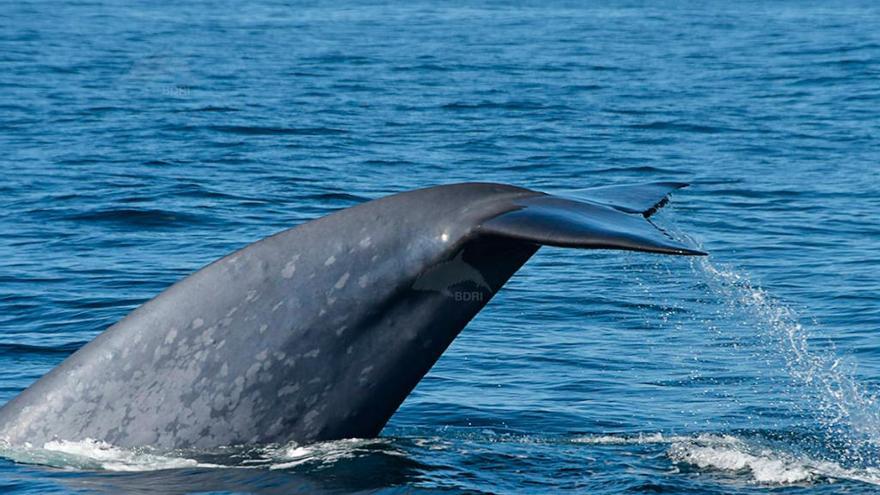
(321, 331)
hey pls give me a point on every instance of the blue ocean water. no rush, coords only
(142, 140)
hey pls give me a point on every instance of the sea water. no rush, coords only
(142, 140)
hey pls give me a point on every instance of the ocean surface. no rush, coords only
(140, 141)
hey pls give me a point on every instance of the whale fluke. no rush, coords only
(645, 198)
(554, 221)
(321, 331)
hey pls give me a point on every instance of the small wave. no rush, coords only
(197, 191)
(506, 105)
(344, 197)
(831, 50)
(208, 108)
(765, 465)
(337, 58)
(818, 81)
(274, 131)
(584, 87)
(424, 68)
(681, 127)
(636, 169)
(19, 349)
(158, 163)
(139, 217)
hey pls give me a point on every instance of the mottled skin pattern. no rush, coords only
(314, 333)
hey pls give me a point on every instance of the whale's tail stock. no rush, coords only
(245, 332)
(613, 217)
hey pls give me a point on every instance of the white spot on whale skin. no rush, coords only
(171, 336)
(288, 269)
(313, 353)
(444, 237)
(262, 355)
(330, 261)
(311, 416)
(198, 322)
(275, 308)
(263, 328)
(365, 375)
(363, 281)
(251, 373)
(366, 242)
(224, 370)
(158, 354)
(342, 281)
(288, 389)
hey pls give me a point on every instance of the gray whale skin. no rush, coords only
(321, 331)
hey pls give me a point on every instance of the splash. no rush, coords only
(845, 409)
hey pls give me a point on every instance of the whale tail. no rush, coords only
(615, 217)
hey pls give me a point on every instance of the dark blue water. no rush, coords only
(141, 141)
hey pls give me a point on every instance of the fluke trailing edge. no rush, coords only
(321, 331)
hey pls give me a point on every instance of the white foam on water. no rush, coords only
(727, 453)
(97, 455)
(639, 439)
(756, 460)
(325, 452)
(764, 465)
(753, 460)
(93, 454)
